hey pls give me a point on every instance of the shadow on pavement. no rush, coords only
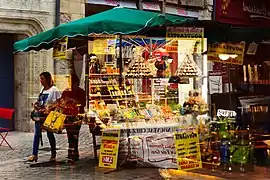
(48, 164)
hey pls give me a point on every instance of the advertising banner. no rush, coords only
(215, 49)
(60, 49)
(243, 12)
(104, 46)
(187, 147)
(109, 148)
(151, 146)
(173, 34)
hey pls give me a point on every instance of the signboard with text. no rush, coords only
(173, 34)
(215, 49)
(243, 12)
(104, 46)
(187, 147)
(60, 49)
(109, 148)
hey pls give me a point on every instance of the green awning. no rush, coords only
(114, 21)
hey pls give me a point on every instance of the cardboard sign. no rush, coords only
(60, 49)
(109, 148)
(187, 149)
(215, 49)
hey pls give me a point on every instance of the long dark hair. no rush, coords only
(48, 77)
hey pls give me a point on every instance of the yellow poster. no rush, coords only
(104, 46)
(109, 148)
(173, 34)
(60, 49)
(236, 49)
(187, 146)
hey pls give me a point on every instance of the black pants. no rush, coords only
(73, 141)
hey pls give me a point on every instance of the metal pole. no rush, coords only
(57, 12)
(120, 59)
(86, 61)
(229, 79)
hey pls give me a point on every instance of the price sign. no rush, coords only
(109, 148)
(187, 146)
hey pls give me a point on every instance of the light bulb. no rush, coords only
(224, 57)
(233, 56)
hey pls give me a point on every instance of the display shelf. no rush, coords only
(111, 74)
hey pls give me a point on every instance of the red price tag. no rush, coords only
(107, 159)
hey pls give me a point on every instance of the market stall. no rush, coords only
(147, 96)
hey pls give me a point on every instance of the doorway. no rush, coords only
(6, 76)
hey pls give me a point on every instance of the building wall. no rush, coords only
(26, 18)
(71, 10)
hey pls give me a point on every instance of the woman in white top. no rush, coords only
(48, 95)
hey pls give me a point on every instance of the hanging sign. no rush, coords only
(109, 148)
(215, 49)
(173, 34)
(60, 49)
(104, 46)
(187, 149)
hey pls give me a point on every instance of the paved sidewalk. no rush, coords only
(13, 164)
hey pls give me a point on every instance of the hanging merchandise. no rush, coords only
(188, 68)
(139, 69)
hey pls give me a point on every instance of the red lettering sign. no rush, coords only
(112, 2)
(243, 12)
(107, 159)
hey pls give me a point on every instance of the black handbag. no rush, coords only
(36, 114)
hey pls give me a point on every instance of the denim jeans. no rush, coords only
(50, 136)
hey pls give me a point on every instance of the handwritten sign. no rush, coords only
(187, 149)
(215, 49)
(60, 49)
(109, 148)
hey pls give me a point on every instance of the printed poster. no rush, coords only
(109, 148)
(60, 49)
(215, 49)
(173, 34)
(215, 84)
(104, 46)
(187, 148)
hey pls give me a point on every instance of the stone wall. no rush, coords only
(26, 18)
(71, 10)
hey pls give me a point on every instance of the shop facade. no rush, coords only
(195, 8)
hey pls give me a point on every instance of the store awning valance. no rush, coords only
(114, 21)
